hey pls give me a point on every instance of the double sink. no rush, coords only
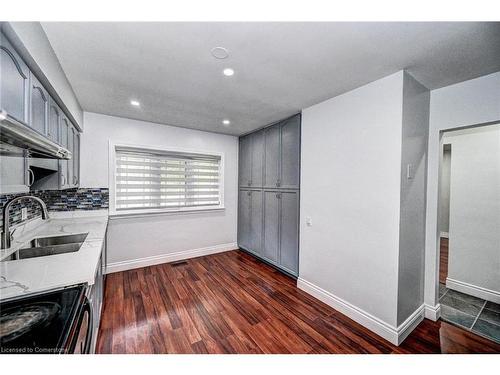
(45, 246)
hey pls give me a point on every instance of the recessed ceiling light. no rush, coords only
(220, 53)
(228, 72)
(135, 103)
(226, 122)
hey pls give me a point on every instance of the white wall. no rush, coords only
(30, 39)
(444, 193)
(472, 102)
(474, 247)
(415, 126)
(350, 188)
(135, 238)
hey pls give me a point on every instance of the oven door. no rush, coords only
(82, 338)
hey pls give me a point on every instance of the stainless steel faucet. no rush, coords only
(6, 234)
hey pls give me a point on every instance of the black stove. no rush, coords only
(41, 323)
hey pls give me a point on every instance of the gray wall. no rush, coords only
(133, 238)
(415, 133)
(474, 247)
(350, 188)
(32, 44)
(444, 192)
(472, 102)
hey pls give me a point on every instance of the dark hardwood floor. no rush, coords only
(443, 260)
(233, 303)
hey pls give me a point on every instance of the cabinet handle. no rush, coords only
(74, 180)
(278, 183)
(249, 193)
(31, 176)
(278, 195)
(63, 178)
(249, 183)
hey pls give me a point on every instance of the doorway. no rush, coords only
(469, 228)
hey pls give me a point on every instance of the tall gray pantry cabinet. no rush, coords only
(269, 192)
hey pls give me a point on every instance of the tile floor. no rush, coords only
(472, 313)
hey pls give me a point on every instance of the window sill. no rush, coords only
(151, 213)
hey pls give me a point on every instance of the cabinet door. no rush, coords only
(257, 158)
(13, 174)
(256, 222)
(76, 157)
(39, 106)
(245, 161)
(290, 153)
(272, 157)
(63, 164)
(271, 243)
(289, 232)
(14, 82)
(71, 148)
(244, 219)
(54, 119)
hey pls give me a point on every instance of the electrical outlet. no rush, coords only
(309, 221)
(24, 213)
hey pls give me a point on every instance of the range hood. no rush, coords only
(15, 133)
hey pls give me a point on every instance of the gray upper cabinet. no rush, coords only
(39, 106)
(272, 157)
(289, 231)
(14, 82)
(271, 240)
(290, 153)
(71, 148)
(26, 100)
(257, 158)
(64, 130)
(54, 121)
(245, 161)
(76, 157)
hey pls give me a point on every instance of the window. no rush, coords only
(147, 180)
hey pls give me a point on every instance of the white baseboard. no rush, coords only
(473, 290)
(444, 235)
(394, 335)
(166, 258)
(432, 312)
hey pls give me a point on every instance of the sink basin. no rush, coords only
(57, 240)
(45, 246)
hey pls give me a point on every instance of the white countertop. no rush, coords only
(33, 275)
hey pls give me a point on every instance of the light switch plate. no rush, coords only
(409, 171)
(24, 213)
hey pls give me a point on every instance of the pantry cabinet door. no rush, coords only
(289, 234)
(271, 240)
(257, 158)
(256, 222)
(245, 161)
(244, 206)
(272, 157)
(290, 153)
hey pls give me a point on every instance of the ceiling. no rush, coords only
(280, 68)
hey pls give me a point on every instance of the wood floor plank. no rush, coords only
(233, 303)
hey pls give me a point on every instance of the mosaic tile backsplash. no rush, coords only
(56, 200)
